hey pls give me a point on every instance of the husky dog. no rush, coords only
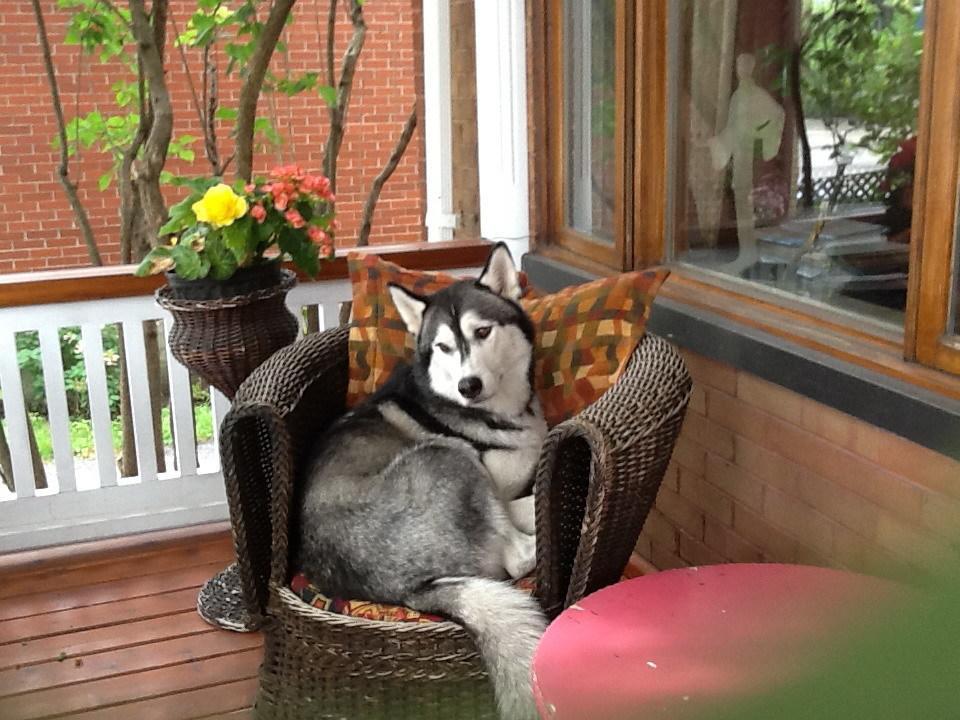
(413, 497)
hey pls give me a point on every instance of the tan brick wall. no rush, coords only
(761, 474)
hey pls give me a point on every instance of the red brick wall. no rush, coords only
(36, 228)
(763, 474)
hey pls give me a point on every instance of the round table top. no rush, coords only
(672, 643)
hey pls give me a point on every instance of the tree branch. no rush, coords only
(250, 92)
(370, 205)
(63, 171)
(331, 31)
(186, 71)
(344, 89)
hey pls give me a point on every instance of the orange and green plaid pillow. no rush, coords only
(584, 334)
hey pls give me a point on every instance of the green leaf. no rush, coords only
(156, 261)
(241, 239)
(226, 113)
(188, 263)
(223, 263)
(304, 253)
(104, 181)
(181, 216)
(329, 94)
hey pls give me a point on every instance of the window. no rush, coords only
(796, 160)
(814, 157)
(589, 75)
(796, 131)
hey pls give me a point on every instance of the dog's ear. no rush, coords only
(410, 305)
(500, 274)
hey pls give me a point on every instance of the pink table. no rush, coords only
(672, 643)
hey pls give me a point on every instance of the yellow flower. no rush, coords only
(220, 206)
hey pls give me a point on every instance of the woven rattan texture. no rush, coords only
(596, 480)
(223, 341)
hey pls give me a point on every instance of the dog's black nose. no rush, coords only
(470, 387)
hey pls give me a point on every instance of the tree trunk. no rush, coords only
(250, 91)
(338, 114)
(806, 161)
(39, 472)
(150, 34)
(63, 171)
(6, 461)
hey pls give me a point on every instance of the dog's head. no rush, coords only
(474, 341)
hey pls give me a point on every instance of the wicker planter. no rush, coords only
(222, 331)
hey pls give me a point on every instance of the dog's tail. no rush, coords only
(506, 624)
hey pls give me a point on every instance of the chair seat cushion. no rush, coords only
(311, 595)
(585, 334)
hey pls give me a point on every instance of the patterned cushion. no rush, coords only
(584, 334)
(309, 593)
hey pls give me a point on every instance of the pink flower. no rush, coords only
(317, 235)
(258, 213)
(295, 218)
(281, 200)
(327, 250)
(249, 187)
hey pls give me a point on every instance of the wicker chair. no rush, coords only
(597, 478)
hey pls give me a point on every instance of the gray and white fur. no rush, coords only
(416, 497)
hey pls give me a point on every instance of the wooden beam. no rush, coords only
(116, 281)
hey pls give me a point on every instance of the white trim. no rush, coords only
(437, 121)
(110, 511)
(502, 122)
(99, 399)
(15, 415)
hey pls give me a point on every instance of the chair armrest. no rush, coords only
(599, 473)
(287, 400)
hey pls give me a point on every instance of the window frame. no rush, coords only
(557, 238)
(935, 206)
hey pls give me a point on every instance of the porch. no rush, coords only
(109, 629)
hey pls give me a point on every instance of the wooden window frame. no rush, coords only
(935, 210)
(556, 237)
(918, 356)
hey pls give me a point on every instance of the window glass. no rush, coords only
(590, 115)
(795, 126)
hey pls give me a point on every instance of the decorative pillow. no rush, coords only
(584, 334)
(371, 610)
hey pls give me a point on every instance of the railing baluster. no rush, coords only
(99, 398)
(136, 356)
(181, 401)
(331, 315)
(57, 414)
(15, 414)
(220, 407)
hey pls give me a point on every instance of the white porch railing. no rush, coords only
(87, 499)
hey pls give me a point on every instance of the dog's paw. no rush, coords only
(523, 514)
(520, 555)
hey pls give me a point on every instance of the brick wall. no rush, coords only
(36, 228)
(761, 474)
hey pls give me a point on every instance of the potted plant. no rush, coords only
(226, 286)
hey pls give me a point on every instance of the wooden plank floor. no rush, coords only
(115, 634)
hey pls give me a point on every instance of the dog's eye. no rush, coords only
(483, 332)
(444, 348)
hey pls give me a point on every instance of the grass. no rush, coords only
(81, 432)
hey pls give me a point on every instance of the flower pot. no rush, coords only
(222, 330)
(243, 282)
